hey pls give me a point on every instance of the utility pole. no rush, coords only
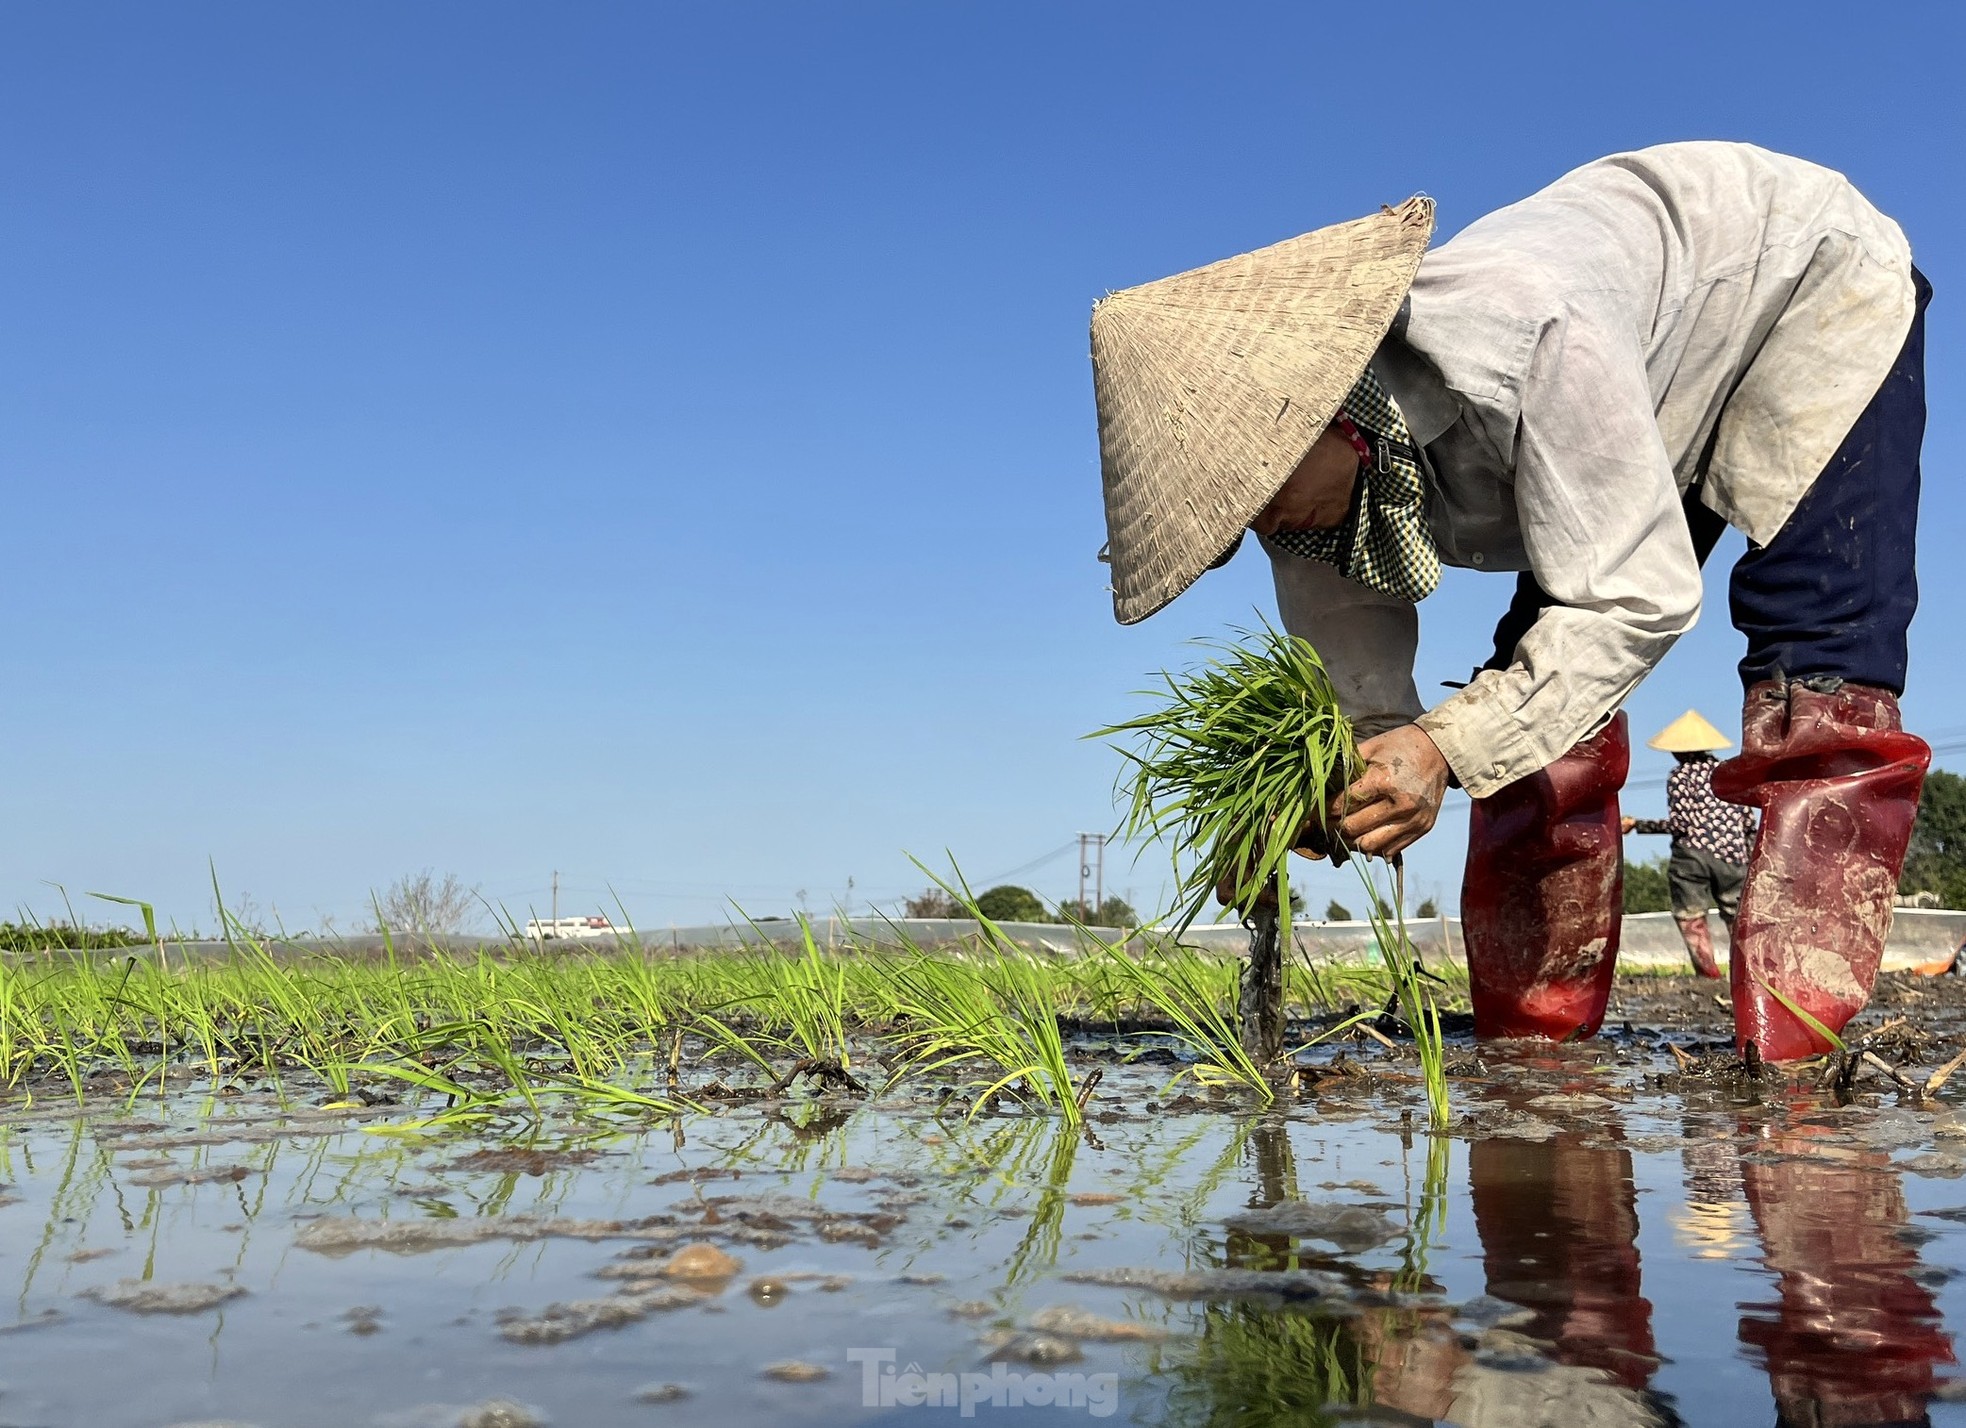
(556, 895)
(1092, 864)
(1085, 870)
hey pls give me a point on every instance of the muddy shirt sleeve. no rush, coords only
(1365, 639)
(1603, 530)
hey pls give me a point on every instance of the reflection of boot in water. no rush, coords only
(1853, 1338)
(1559, 1226)
(1559, 1230)
(1694, 933)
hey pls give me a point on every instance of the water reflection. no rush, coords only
(1846, 1330)
(1309, 1365)
(1559, 1235)
(1852, 1336)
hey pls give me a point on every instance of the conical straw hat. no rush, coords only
(1212, 384)
(1690, 734)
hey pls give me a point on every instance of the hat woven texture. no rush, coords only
(1689, 734)
(1212, 384)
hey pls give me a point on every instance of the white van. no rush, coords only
(552, 929)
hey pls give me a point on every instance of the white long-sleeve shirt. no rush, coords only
(1572, 363)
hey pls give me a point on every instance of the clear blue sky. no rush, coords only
(656, 442)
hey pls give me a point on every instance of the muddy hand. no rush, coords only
(1396, 800)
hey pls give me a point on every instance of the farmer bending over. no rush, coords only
(1710, 839)
(1584, 388)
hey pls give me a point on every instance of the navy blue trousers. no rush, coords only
(1834, 592)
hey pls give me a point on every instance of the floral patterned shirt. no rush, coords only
(1697, 814)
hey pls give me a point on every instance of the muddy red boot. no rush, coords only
(1694, 933)
(1836, 779)
(1544, 892)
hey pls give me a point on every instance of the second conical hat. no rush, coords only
(1212, 384)
(1690, 734)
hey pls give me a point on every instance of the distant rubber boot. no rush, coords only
(1836, 779)
(1699, 944)
(1543, 894)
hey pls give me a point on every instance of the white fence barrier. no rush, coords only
(1920, 937)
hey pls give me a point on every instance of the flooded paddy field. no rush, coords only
(1627, 1231)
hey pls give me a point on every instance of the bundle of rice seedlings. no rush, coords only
(1236, 766)
(1232, 771)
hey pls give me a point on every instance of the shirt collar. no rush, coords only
(1421, 393)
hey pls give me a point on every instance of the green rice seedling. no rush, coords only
(994, 1015)
(1233, 771)
(1234, 765)
(638, 988)
(996, 1010)
(1189, 990)
(802, 1005)
(809, 995)
(1194, 992)
(718, 1032)
(149, 914)
(1416, 1001)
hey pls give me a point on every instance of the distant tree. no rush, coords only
(1117, 912)
(1010, 903)
(239, 915)
(1113, 912)
(931, 902)
(423, 902)
(43, 936)
(1937, 860)
(1427, 909)
(1336, 911)
(1646, 889)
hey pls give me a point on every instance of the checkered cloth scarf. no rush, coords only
(1384, 543)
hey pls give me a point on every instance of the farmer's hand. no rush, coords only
(1625, 825)
(1396, 800)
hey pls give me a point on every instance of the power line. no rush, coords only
(1038, 862)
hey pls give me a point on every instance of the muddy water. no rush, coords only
(1584, 1248)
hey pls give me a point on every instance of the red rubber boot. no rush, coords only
(1544, 892)
(1836, 779)
(1693, 931)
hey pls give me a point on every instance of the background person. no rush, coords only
(1710, 838)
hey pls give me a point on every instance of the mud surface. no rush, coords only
(1636, 1230)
